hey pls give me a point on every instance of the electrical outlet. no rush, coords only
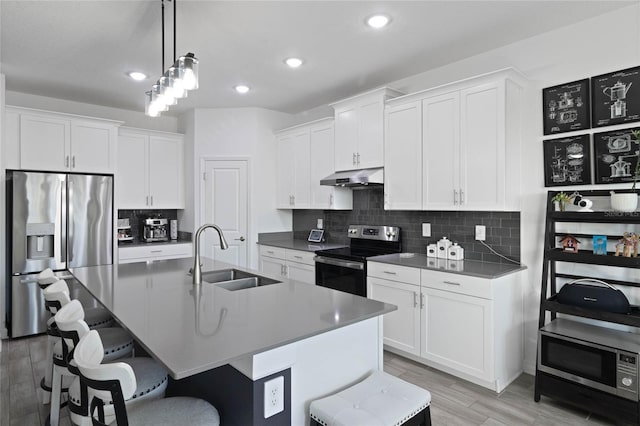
(481, 232)
(319, 224)
(273, 396)
(426, 229)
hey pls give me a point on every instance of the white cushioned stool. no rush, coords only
(379, 400)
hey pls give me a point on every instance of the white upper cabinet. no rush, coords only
(359, 130)
(62, 142)
(305, 156)
(441, 152)
(321, 165)
(403, 157)
(293, 169)
(150, 172)
(470, 132)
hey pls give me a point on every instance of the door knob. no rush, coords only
(239, 239)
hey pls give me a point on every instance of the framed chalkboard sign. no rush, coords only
(615, 97)
(616, 155)
(567, 161)
(566, 107)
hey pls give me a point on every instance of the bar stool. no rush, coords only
(96, 317)
(119, 344)
(117, 382)
(153, 378)
(379, 400)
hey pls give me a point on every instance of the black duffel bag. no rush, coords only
(584, 293)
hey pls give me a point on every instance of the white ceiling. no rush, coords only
(81, 50)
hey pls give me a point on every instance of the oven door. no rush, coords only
(344, 275)
(579, 361)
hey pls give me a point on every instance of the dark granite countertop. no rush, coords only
(473, 268)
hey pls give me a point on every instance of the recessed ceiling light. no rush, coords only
(138, 76)
(378, 21)
(293, 62)
(241, 88)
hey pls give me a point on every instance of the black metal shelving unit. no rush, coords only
(551, 386)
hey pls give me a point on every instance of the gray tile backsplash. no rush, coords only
(503, 228)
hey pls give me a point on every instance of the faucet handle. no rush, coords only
(190, 271)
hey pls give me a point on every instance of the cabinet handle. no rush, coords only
(298, 257)
(156, 251)
(294, 199)
(421, 300)
(330, 199)
(358, 159)
(415, 299)
(451, 282)
(269, 251)
(390, 272)
(66, 161)
(353, 160)
(152, 200)
(461, 196)
(146, 203)
(73, 162)
(455, 197)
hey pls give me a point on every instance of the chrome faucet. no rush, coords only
(197, 271)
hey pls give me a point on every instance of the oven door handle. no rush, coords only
(340, 262)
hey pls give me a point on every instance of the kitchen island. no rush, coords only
(216, 341)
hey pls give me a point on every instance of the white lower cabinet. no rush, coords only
(295, 265)
(401, 327)
(467, 326)
(154, 252)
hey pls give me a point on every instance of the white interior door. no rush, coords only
(226, 205)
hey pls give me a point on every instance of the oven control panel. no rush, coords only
(374, 232)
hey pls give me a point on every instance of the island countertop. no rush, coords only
(191, 330)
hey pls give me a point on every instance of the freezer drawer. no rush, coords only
(28, 314)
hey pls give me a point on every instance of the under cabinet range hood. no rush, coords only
(355, 178)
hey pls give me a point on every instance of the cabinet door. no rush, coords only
(92, 146)
(401, 327)
(482, 151)
(300, 165)
(370, 152)
(321, 165)
(166, 172)
(403, 157)
(441, 152)
(45, 143)
(456, 332)
(271, 266)
(132, 172)
(346, 139)
(285, 173)
(301, 272)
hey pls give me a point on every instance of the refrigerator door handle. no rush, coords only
(62, 256)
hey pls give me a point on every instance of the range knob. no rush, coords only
(391, 234)
(627, 381)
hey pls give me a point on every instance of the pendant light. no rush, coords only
(176, 81)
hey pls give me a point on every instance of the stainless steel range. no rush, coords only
(345, 269)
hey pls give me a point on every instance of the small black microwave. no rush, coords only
(598, 357)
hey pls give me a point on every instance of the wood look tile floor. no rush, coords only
(453, 401)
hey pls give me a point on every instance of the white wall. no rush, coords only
(131, 118)
(237, 132)
(571, 53)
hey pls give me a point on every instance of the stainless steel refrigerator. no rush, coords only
(57, 221)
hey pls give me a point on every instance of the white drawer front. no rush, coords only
(277, 252)
(456, 283)
(298, 256)
(388, 271)
(154, 252)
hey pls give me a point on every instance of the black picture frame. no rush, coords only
(615, 155)
(615, 97)
(565, 107)
(567, 161)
